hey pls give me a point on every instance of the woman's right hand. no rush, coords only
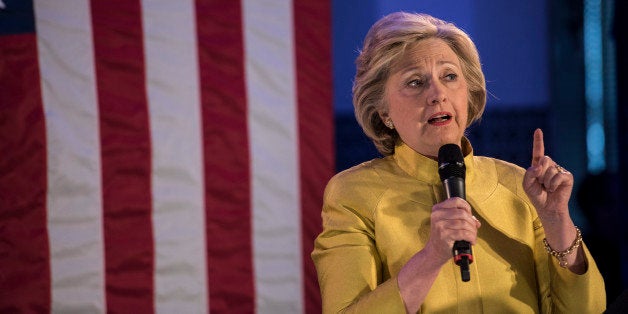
(451, 220)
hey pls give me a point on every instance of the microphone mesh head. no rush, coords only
(450, 162)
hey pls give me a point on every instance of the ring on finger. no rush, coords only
(560, 169)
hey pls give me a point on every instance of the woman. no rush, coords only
(388, 231)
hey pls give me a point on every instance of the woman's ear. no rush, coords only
(386, 119)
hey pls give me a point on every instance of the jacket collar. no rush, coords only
(424, 168)
(479, 185)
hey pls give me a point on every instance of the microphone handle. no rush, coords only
(463, 255)
(454, 187)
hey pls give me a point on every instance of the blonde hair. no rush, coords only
(384, 44)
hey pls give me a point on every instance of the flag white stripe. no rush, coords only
(177, 170)
(271, 95)
(74, 201)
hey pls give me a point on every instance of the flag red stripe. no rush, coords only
(24, 251)
(226, 156)
(313, 60)
(126, 155)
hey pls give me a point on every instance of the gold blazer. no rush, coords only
(376, 216)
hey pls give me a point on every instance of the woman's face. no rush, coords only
(426, 97)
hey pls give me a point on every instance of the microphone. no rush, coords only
(452, 173)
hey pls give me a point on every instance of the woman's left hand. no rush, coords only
(547, 184)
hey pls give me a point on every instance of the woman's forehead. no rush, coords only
(425, 53)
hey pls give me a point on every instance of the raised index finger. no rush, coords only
(538, 147)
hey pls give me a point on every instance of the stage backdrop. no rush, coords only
(163, 156)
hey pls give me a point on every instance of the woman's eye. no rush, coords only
(451, 76)
(415, 83)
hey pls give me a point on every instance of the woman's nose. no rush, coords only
(436, 93)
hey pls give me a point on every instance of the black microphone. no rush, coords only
(452, 172)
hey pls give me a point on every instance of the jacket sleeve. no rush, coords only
(562, 291)
(347, 262)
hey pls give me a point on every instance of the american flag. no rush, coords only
(163, 156)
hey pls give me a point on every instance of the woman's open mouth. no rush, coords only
(439, 119)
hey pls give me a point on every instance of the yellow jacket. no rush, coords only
(376, 216)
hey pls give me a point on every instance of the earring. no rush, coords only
(389, 124)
